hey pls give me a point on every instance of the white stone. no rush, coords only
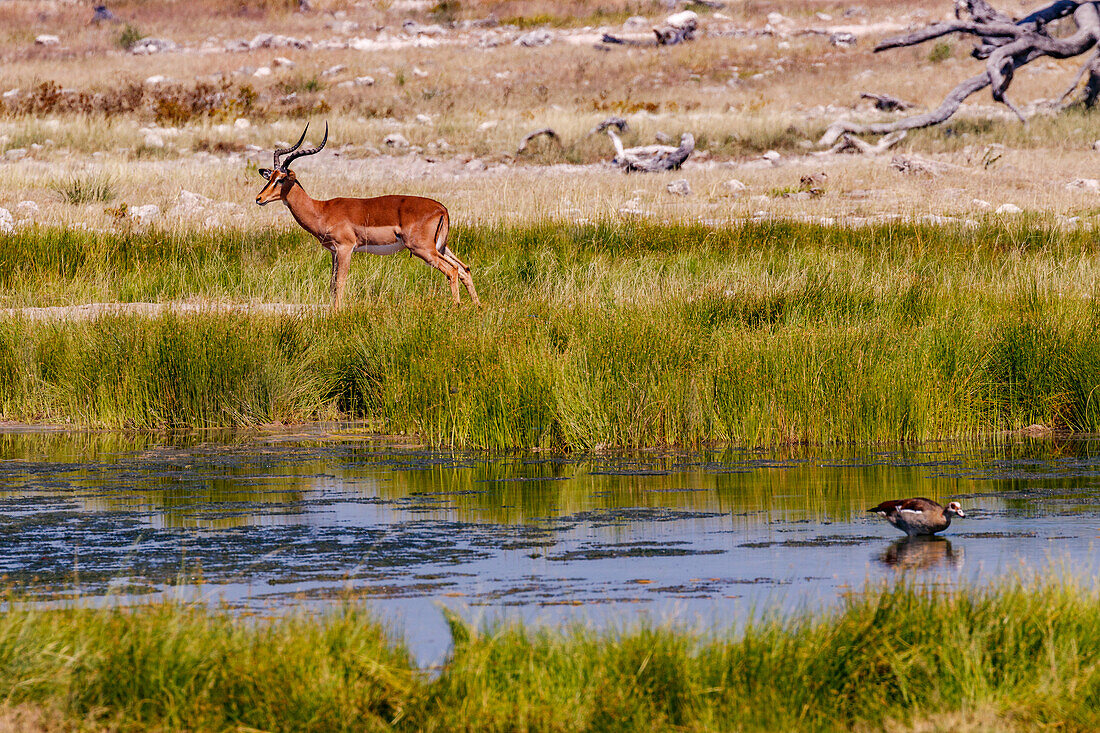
(156, 79)
(981, 204)
(148, 46)
(145, 214)
(476, 165)
(679, 187)
(485, 126)
(10, 93)
(417, 71)
(1095, 145)
(241, 123)
(282, 62)
(1008, 209)
(772, 157)
(364, 81)
(15, 154)
(776, 19)
(262, 71)
(46, 40)
(27, 209)
(188, 203)
(333, 70)
(261, 40)
(683, 20)
(736, 186)
(395, 140)
(539, 37)
(424, 119)
(7, 224)
(1087, 184)
(345, 84)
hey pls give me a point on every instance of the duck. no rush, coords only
(918, 516)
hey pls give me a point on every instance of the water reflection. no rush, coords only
(328, 512)
(921, 553)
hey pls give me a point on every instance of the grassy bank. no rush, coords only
(1012, 658)
(602, 334)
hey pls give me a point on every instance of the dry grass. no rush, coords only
(740, 96)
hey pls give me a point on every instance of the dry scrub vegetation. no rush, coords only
(449, 78)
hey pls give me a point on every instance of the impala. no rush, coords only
(383, 225)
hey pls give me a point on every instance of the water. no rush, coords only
(270, 521)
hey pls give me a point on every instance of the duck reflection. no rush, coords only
(921, 553)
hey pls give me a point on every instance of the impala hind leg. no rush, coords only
(446, 268)
(463, 271)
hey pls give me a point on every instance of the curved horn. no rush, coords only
(302, 153)
(291, 149)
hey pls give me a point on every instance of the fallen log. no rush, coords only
(651, 158)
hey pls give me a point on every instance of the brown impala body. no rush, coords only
(383, 225)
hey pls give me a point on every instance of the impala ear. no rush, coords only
(266, 173)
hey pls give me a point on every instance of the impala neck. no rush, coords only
(304, 209)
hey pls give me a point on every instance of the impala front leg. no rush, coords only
(341, 265)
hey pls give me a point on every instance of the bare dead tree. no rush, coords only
(651, 158)
(1005, 46)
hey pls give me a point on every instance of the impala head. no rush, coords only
(954, 509)
(280, 179)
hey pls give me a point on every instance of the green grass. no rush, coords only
(1016, 657)
(620, 335)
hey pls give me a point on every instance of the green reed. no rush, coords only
(1019, 656)
(592, 335)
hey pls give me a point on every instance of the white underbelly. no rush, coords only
(381, 249)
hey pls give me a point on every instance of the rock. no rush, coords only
(417, 71)
(424, 119)
(1008, 209)
(772, 157)
(7, 223)
(395, 140)
(342, 26)
(145, 214)
(485, 126)
(27, 209)
(364, 81)
(776, 19)
(15, 154)
(843, 39)
(735, 186)
(686, 19)
(262, 71)
(680, 187)
(102, 15)
(10, 94)
(538, 37)
(1096, 146)
(188, 204)
(333, 70)
(241, 123)
(261, 40)
(46, 40)
(981, 204)
(156, 79)
(147, 46)
(1086, 184)
(281, 62)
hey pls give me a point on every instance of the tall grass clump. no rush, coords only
(172, 667)
(597, 335)
(85, 189)
(1019, 656)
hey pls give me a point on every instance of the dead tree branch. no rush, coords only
(1005, 47)
(650, 158)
